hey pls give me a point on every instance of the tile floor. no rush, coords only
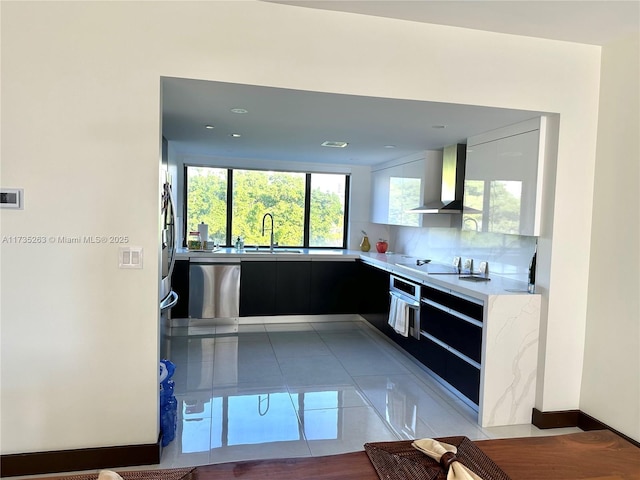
(305, 389)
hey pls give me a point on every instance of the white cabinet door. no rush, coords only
(395, 190)
(406, 192)
(380, 195)
(502, 181)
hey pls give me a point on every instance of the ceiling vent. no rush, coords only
(334, 144)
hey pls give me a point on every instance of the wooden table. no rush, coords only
(600, 455)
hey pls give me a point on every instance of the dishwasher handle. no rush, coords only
(214, 261)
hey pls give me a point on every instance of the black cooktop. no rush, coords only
(430, 268)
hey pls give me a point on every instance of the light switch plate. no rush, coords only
(12, 198)
(130, 257)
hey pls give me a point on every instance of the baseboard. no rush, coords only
(573, 418)
(558, 419)
(77, 460)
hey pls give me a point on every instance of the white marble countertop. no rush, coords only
(481, 290)
(389, 262)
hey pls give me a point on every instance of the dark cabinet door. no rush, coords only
(464, 377)
(465, 337)
(334, 287)
(433, 356)
(460, 374)
(373, 291)
(180, 285)
(293, 288)
(257, 288)
(461, 305)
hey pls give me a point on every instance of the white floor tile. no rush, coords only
(297, 344)
(278, 390)
(314, 370)
(323, 397)
(337, 326)
(282, 390)
(288, 327)
(341, 430)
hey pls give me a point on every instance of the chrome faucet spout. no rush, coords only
(271, 236)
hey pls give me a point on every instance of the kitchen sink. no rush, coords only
(275, 251)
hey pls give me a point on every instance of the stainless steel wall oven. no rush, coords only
(408, 292)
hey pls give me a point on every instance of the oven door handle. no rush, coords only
(412, 303)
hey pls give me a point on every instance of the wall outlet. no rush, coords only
(468, 264)
(457, 262)
(483, 269)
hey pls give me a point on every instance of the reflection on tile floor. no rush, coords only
(305, 389)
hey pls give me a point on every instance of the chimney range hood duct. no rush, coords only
(453, 166)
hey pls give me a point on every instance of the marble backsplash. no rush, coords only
(508, 255)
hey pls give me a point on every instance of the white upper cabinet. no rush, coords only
(503, 179)
(399, 186)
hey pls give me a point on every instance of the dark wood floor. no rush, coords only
(600, 455)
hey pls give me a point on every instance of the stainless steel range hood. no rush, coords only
(453, 166)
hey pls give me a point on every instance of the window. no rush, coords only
(327, 210)
(309, 209)
(207, 201)
(280, 193)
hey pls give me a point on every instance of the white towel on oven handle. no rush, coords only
(393, 306)
(399, 315)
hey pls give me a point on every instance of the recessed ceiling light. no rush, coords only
(438, 126)
(239, 110)
(389, 146)
(333, 144)
(209, 127)
(235, 135)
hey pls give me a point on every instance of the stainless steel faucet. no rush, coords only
(473, 220)
(271, 238)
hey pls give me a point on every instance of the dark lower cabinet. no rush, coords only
(257, 288)
(460, 374)
(465, 337)
(464, 377)
(299, 287)
(447, 322)
(433, 356)
(466, 307)
(373, 294)
(335, 287)
(456, 322)
(180, 285)
(293, 288)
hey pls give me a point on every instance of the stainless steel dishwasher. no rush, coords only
(214, 288)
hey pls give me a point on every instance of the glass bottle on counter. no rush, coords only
(194, 241)
(239, 244)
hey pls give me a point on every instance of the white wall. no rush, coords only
(81, 134)
(611, 378)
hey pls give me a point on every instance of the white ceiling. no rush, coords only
(595, 22)
(290, 125)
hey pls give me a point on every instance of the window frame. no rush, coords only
(307, 204)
